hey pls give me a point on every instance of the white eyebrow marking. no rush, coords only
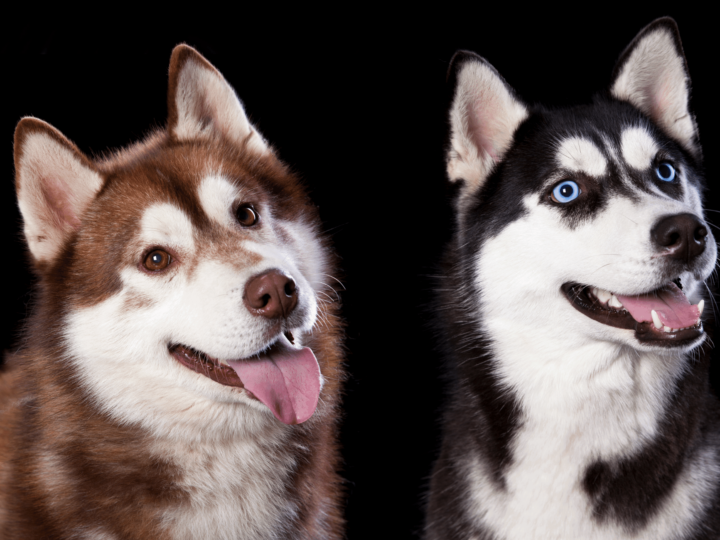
(581, 155)
(638, 147)
(166, 225)
(217, 195)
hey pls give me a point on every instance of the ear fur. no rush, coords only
(483, 118)
(652, 75)
(201, 103)
(55, 183)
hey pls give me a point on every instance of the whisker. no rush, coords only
(336, 279)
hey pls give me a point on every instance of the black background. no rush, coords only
(356, 104)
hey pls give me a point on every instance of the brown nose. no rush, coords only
(681, 236)
(271, 294)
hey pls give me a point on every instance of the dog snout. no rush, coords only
(680, 236)
(271, 294)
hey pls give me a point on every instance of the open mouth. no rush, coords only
(661, 317)
(205, 364)
(283, 377)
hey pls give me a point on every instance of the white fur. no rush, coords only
(238, 489)
(96, 533)
(638, 147)
(206, 102)
(216, 195)
(654, 80)
(483, 119)
(166, 225)
(223, 441)
(581, 155)
(45, 161)
(587, 391)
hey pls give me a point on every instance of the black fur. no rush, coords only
(631, 490)
(479, 413)
(481, 417)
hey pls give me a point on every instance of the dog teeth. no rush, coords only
(667, 329)
(700, 306)
(656, 320)
(614, 302)
(602, 295)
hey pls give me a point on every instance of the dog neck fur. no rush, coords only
(543, 399)
(235, 470)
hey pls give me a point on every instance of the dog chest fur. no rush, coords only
(108, 431)
(564, 419)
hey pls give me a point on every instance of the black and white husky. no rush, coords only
(571, 312)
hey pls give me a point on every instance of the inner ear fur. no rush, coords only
(484, 115)
(652, 75)
(201, 103)
(55, 183)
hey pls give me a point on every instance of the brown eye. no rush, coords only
(157, 260)
(246, 215)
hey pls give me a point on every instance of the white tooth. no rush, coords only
(656, 319)
(700, 305)
(614, 302)
(667, 329)
(602, 295)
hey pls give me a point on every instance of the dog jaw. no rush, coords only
(100, 394)
(605, 307)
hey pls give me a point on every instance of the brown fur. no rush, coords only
(69, 470)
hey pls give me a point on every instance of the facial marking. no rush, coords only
(581, 155)
(638, 148)
(166, 225)
(216, 196)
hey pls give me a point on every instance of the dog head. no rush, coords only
(179, 270)
(588, 220)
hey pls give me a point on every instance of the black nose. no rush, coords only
(681, 236)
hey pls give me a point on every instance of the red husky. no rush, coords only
(180, 375)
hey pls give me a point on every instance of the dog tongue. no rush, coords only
(285, 379)
(670, 304)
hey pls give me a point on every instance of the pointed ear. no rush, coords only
(55, 183)
(483, 118)
(652, 75)
(201, 103)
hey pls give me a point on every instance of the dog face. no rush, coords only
(181, 268)
(601, 202)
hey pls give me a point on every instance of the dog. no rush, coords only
(570, 312)
(180, 374)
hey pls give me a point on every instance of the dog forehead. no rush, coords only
(217, 195)
(166, 224)
(638, 147)
(580, 154)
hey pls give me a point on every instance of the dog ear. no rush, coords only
(652, 75)
(55, 183)
(201, 103)
(483, 118)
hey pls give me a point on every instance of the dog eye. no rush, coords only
(565, 192)
(665, 172)
(246, 215)
(157, 260)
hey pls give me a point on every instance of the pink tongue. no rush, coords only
(285, 379)
(670, 304)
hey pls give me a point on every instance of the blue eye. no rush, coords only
(665, 172)
(566, 191)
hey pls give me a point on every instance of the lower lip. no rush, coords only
(645, 332)
(224, 375)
